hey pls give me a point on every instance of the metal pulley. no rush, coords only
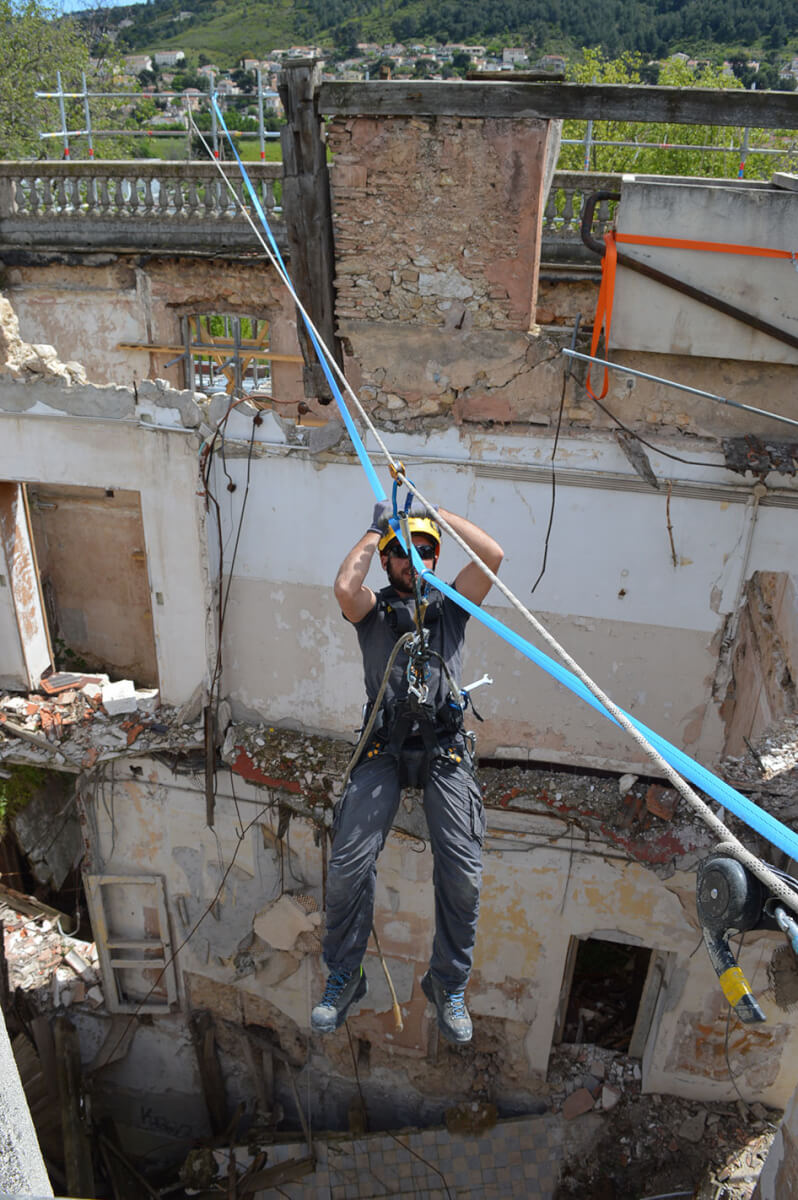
(730, 900)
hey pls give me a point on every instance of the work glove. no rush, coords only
(383, 511)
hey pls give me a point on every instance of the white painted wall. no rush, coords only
(650, 317)
(645, 629)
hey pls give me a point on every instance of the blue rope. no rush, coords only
(362, 454)
(753, 816)
(771, 828)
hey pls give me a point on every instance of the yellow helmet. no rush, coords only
(424, 525)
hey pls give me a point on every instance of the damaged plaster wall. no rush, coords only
(647, 630)
(645, 614)
(86, 307)
(779, 1175)
(254, 960)
(59, 429)
(437, 289)
(22, 1169)
(763, 659)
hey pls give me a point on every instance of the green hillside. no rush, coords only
(226, 30)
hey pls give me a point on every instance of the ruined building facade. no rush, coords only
(158, 535)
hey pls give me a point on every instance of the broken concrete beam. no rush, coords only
(119, 697)
(148, 699)
(282, 922)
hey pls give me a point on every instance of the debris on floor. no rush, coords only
(54, 969)
(640, 1145)
(80, 721)
(652, 1145)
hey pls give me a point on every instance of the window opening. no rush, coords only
(129, 919)
(228, 353)
(92, 566)
(602, 998)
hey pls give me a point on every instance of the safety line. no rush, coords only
(609, 264)
(640, 239)
(323, 354)
(759, 820)
(644, 737)
(682, 387)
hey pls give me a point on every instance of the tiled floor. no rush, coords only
(518, 1157)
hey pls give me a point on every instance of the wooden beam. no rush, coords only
(272, 1177)
(161, 348)
(77, 1146)
(575, 101)
(307, 208)
(203, 1035)
(29, 906)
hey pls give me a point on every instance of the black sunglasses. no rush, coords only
(427, 553)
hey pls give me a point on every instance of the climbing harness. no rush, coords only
(669, 760)
(413, 731)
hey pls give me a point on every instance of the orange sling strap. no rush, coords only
(609, 264)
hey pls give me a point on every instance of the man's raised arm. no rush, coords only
(355, 599)
(472, 582)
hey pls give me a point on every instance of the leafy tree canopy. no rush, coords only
(36, 43)
(649, 153)
(33, 45)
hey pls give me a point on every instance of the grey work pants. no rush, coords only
(456, 821)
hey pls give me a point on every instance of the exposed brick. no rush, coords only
(661, 801)
(579, 1102)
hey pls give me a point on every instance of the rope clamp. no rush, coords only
(418, 670)
(397, 470)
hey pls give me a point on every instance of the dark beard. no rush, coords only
(396, 582)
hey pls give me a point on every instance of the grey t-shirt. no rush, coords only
(394, 615)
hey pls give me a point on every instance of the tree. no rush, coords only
(246, 80)
(659, 160)
(346, 37)
(462, 63)
(33, 46)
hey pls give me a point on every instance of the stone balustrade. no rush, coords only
(562, 217)
(134, 205)
(180, 206)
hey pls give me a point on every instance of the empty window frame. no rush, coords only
(131, 930)
(609, 994)
(228, 353)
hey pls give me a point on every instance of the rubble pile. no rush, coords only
(53, 969)
(650, 1144)
(76, 721)
(768, 772)
(21, 360)
(646, 820)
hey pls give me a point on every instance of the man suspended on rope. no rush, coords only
(417, 739)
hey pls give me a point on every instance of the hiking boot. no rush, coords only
(341, 992)
(453, 1019)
